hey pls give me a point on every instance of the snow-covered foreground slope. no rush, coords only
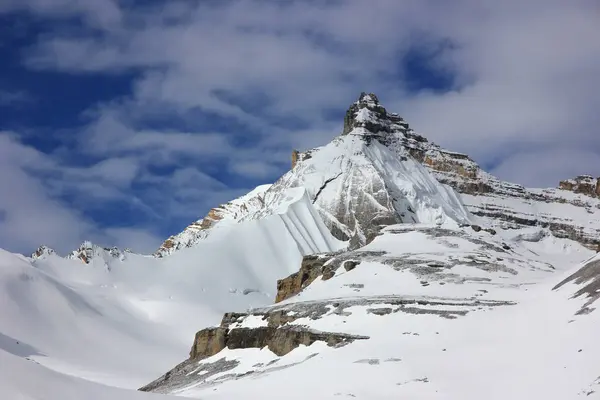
(21, 379)
(422, 313)
(124, 320)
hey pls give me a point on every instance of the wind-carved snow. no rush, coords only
(357, 186)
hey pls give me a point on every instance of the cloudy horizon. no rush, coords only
(124, 121)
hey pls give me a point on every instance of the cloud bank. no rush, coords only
(223, 90)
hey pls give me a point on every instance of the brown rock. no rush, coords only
(310, 269)
(583, 184)
(295, 155)
(280, 340)
(211, 218)
(208, 342)
(447, 163)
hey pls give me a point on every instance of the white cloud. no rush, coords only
(525, 86)
(30, 216)
(551, 165)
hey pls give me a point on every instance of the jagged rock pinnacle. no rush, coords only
(363, 111)
(367, 117)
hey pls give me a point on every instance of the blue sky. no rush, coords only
(123, 121)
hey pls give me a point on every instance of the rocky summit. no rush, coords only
(380, 266)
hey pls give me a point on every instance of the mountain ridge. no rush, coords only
(449, 167)
(478, 189)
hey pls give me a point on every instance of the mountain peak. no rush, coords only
(368, 99)
(89, 251)
(367, 117)
(42, 252)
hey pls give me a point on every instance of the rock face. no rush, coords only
(584, 184)
(280, 340)
(312, 267)
(208, 342)
(366, 178)
(295, 155)
(274, 334)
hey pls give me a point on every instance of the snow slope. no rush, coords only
(22, 379)
(124, 320)
(449, 314)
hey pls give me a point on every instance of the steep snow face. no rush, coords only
(357, 186)
(122, 321)
(364, 179)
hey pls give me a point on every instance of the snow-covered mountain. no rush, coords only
(381, 266)
(355, 178)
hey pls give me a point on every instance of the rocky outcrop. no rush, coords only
(42, 252)
(312, 267)
(88, 252)
(584, 184)
(208, 342)
(295, 154)
(280, 340)
(370, 117)
(276, 334)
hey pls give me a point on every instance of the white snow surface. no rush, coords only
(123, 321)
(535, 348)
